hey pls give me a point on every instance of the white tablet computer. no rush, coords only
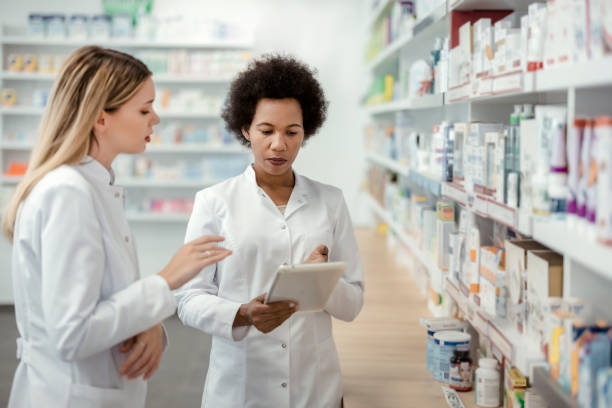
(310, 285)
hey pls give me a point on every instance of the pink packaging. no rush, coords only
(603, 128)
(574, 145)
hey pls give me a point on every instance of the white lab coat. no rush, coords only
(296, 365)
(78, 293)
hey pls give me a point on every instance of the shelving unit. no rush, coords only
(159, 78)
(585, 89)
(168, 228)
(126, 43)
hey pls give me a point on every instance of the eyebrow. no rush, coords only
(150, 101)
(269, 124)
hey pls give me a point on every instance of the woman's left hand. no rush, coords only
(145, 350)
(318, 255)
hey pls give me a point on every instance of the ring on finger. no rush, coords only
(206, 253)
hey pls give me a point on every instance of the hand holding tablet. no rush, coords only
(309, 285)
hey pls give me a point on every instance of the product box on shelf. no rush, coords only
(477, 155)
(492, 271)
(544, 279)
(445, 225)
(516, 279)
(515, 385)
(528, 163)
(593, 356)
(603, 128)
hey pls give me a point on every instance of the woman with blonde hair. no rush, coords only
(89, 325)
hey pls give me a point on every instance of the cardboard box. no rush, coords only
(516, 279)
(544, 279)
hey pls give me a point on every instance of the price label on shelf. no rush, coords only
(481, 205)
(459, 93)
(502, 213)
(512, 82)
(501, 342)
(455, 192)
(485, 86)
(480, 323)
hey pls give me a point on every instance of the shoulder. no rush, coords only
(62, 180)
(319, 189)
(220, 190)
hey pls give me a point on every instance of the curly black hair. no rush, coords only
(276, 77)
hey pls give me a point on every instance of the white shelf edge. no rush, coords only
(388, 163)
(406, 239)
(575, 243)
(423, 102)
(124, 43)
(157, 217)
(159, 78)
(22, 110)
(7, 145)
(137, 182)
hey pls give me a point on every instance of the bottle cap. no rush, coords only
(488, 363)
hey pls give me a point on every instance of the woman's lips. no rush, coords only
(277, 162)
(148, 139)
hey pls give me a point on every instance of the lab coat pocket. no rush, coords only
(86, 396)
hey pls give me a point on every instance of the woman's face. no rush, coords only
(130, 126)
(276, 134)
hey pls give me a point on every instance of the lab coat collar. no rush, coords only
(98, 171)
(299, 195)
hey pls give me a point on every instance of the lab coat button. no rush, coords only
(284, 346)
(127, 239)
(117, 195)
(283, 227)
(284, 385)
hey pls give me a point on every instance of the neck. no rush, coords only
(104, 157)
(272, 181)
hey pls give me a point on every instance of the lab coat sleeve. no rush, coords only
(199, 305)
(346, 300)
(79, 322)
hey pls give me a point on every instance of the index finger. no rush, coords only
(204, 239)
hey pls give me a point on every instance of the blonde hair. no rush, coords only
(92, 79)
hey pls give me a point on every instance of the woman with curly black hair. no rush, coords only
(266, 355)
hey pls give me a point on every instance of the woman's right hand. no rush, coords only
(265, 317)
(191, 258)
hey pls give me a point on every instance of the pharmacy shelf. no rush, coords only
(10, 179)
(377, 12)
(22, 111)
(158, 78)
(36, 111)
(18, 146)
(388, 163)
(427, 183)
(483, 205)
(188, 115)
(573, 75)
(488, 4)
(578, 243)
(504, 336)
(548, 388)
(423, 102)
(158, 217)
(392, 50)
(125, 43)
(154, 183)
(196, 148)
(406, 239)
(26, 76)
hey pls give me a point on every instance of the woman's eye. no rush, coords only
(144, 112)
(292, 133)
(266, 132)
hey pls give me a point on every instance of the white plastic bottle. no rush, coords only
(488, 383)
